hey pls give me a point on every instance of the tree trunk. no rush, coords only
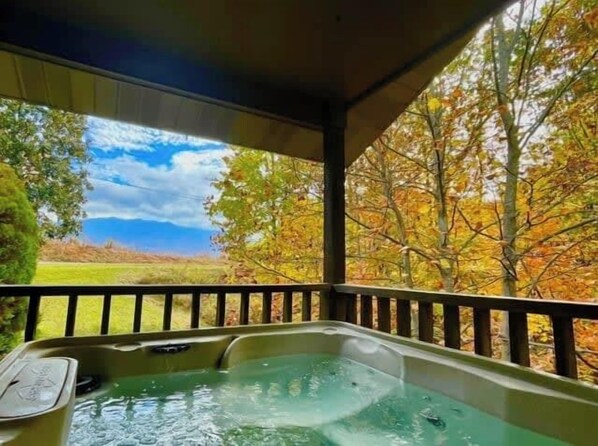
(407, 274)
(509, 255)
(445, 259)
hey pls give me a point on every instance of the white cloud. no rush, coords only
(107, 135)
(172, 193)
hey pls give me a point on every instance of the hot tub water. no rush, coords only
(294, 400)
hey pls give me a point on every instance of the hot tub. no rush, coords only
(310, 383)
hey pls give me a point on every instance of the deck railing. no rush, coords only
(350, 303)
(561, 314)
(242, 293)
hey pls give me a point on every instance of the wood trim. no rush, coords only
(580, 310)
(267, 307)
(518, 339)
(287, 306)
(195, 310)
(383, 305)
(404, 318)
(564, 347)
(244, 309)
(220, 308)
(99, 290)
(331, 305)
(137, 312)
(306, 306)
(425, 316)
(482, 332)
(452, 327)
(106, 307)
(366, 319)
(71, 315)
(167, 316)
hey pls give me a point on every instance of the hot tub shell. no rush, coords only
(544, 403)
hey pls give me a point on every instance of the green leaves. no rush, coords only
(18, 251)
(47, 150)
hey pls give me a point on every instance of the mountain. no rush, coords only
(148, 236)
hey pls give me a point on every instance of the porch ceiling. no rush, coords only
(256, 73)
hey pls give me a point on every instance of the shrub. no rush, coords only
(18, 252)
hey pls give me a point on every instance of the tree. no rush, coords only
(269, 209)
(538, 55)
(47, 150)
(18, 251)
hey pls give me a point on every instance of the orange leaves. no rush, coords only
(457, 93)
(591, 19)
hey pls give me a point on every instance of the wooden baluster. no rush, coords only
(306, 306)
(367, 317)
(287, 307)
(404, 318)
(452, 326)
(137, 313)
(267, 307)
(351, 316)
(518, 339)
(106, 305)
(195, 309)
(71, 315)
(482, 333)
(339, 304)
(564, 346)
(244, 310)
(425, 317)
(383, 314)
(167, 316)
(220, 308)
(32, 317)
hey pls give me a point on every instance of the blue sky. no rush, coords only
(142, 173)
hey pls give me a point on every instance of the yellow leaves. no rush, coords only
(424, 208)
(434, 104)
(460, 186)
(540, 327)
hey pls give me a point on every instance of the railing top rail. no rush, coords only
(560, 308)
(584, 310)
(93, 290)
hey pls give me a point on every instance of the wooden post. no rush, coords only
(425, 315)
(482, 335)
(334, 210)
(564, 346)
(366, 311)
(105, 324)
(452, 326)
(32, 316)
(518, 338)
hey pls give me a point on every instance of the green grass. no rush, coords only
(89, 309)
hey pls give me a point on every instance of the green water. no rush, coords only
(289, 400)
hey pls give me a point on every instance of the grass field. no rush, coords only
(89, 309)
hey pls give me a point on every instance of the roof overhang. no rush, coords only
(255, 73)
